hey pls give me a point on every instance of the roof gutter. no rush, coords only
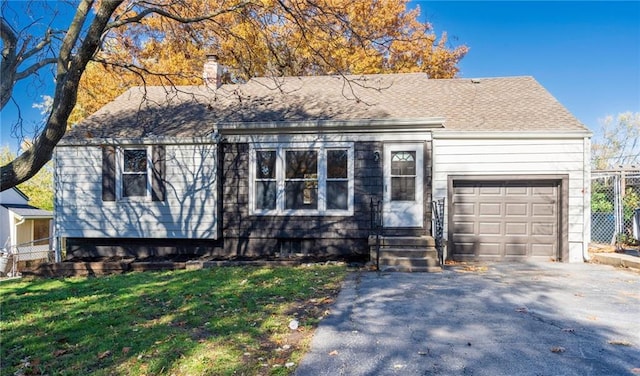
(546, 134)
(331, 126)
(149, 140)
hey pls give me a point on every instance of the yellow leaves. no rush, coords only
(266, 37)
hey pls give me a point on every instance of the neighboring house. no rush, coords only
(24, 229)
(287, 165)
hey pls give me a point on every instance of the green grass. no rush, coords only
(221, 321)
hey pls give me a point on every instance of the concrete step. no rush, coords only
(405, 253)
(408, 261)
(410, 269)
(408, 252)
(404, 241)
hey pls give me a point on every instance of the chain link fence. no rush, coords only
(615, 199)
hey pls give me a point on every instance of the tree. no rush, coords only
(39, 188)
(618, 143)
(164, 42)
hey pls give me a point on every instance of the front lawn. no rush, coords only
(221, 321)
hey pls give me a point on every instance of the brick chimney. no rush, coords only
(212, 72)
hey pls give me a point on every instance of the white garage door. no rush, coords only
(504, 220)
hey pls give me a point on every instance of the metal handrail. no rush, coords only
(438, 221)
(376, 226)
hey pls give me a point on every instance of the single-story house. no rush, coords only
(24, 229)
(298, 165)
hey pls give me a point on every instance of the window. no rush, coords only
(294, 179)
(266, 187)
(337, 179)
(301, 179)
(135, 173)
(403, 175)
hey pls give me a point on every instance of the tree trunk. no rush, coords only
(70, 71)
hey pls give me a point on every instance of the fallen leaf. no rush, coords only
(619, 342)
(558, 349)
(104, 354)
(59, 352)
(333, 353)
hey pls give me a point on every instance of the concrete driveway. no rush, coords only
(496, 319)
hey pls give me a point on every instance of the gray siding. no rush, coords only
(188, 211)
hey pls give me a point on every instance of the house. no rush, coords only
(297, 165)
(24, 229)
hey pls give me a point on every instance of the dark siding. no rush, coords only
(157, 183)
(320, 236)
(141, 248)
(108, 173)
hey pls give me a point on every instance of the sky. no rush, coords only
(585, 53)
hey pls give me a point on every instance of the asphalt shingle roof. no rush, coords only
(485, 104)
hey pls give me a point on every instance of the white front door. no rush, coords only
(402, 204)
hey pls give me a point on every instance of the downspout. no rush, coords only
(53, 229)
(586, 199)
(21, 221)
(13, 249)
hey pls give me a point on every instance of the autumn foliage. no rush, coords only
(265, 38)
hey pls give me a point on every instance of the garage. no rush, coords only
(505, 220)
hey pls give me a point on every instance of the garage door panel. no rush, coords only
(489, 249)
(516, 191)
(544, 191)
(505, 220)
(464, 209)
(489, 191)
(544, 229)
(516, 229)
(543, 210)
(516, 249)
(489, 228)
(466, 228)
(461, 191)
(464, 249)
(515, 210)
(541, 250)
(490, 208)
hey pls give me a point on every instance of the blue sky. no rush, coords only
(585, 53)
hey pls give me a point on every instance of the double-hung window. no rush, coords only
(135, 172)
(302, 179)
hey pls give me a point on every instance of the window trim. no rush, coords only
(120, 172)
(281, 149)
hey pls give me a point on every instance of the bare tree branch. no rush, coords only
(34, 68)
(162, 12)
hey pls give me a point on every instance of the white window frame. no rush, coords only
(120, 172)
(321, 149)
